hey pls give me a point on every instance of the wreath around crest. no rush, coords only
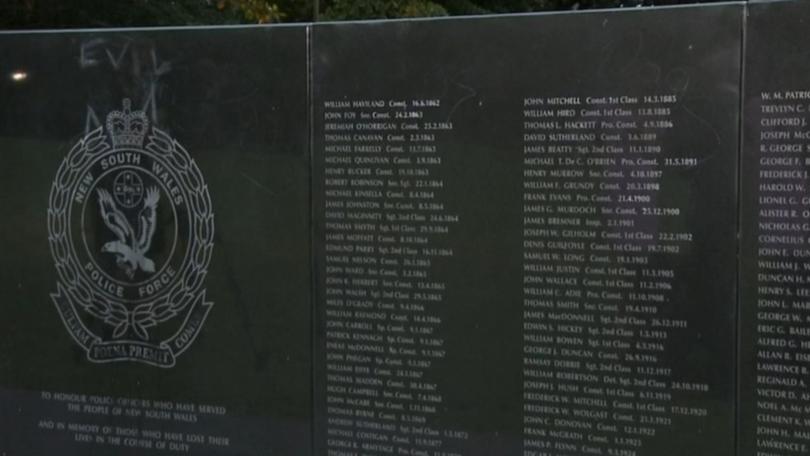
(190, 279)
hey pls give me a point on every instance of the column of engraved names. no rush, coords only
(595, 381)
(782, 341)
(385, 230)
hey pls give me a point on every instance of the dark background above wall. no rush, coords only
(39, 14)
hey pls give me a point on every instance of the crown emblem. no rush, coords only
(127, 127)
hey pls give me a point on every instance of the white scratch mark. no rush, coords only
(257, 183)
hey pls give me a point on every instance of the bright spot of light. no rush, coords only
(19, 76)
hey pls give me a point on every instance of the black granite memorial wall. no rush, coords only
(774, 283)
(517, 235)
(155, 260)
(525, 234)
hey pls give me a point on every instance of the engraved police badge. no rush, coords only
(131, 232)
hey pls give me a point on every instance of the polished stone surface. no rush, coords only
(525, 233)
(515, 235)
(85, 328)
(774, 313)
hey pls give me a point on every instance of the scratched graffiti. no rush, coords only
(136, 66)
